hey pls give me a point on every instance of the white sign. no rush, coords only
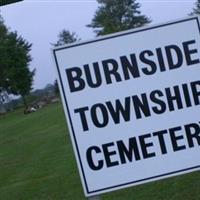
(132, 104)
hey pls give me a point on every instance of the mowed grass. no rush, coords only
(37, 162)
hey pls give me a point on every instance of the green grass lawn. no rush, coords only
(37, 162)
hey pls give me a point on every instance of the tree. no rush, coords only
(196, 10)
(20, 78)
(15, 76)
(117, 15)
(3, 40)
(65, 37)
(56, 88)
(3, 29)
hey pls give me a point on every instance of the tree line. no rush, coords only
(110, 17)
(113, 16)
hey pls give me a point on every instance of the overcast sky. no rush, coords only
(40, 21)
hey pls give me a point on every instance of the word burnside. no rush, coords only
(110, 70)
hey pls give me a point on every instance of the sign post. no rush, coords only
(132, 103)
(95, 198)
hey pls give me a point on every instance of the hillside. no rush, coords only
(37, 163)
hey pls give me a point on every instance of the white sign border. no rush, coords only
(70, 124)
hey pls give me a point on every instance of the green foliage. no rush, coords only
(196, 10)
(57, 92)
(19, 77)
(66, 37)
(117, 15)
(3, 29)
(15, 76)
(3, 41)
